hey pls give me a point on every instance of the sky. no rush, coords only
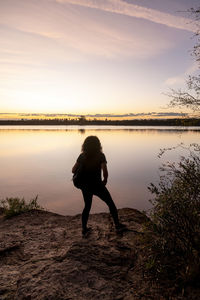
(93, 57)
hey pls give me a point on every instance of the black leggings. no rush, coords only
(102, 192)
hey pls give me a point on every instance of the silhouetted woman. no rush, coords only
(93, 162)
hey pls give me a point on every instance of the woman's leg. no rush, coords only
(102, 192)
(87, 196)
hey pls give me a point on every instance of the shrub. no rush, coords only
(16, 206)
(175, 248)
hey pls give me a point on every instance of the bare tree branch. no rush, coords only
(190, 98)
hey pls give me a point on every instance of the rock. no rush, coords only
(44, 256)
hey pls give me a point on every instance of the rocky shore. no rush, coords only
(44, 256)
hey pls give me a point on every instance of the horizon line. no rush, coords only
(97, 115)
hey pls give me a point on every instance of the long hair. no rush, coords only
(91, 146)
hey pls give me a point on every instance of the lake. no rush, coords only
(37, 160)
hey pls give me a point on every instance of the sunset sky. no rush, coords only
(93, 56)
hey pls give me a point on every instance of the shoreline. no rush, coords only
(182, 122)
(44, 256)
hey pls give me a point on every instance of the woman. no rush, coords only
(93, 162)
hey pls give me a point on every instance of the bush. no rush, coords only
(175, 248)
(16, 206)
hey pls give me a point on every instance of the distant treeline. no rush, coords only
(84, 121)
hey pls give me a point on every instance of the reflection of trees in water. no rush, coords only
(153, 129)
(81, 131)
(171, 130)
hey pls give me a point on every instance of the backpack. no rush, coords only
(78, 177)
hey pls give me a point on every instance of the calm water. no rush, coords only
(38, 161)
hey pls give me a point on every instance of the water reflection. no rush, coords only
(38, 160)
(83, 129)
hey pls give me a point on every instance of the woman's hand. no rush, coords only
(105, 173)
(104, 181)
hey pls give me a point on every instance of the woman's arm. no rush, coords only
(75, 168)
(105, 172)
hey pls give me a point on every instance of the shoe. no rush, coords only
(86, 231)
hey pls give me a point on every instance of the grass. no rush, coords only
(15, 206)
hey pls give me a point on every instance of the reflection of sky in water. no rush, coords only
(38, 160)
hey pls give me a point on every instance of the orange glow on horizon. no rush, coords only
(114, 117)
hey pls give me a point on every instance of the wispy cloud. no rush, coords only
(84, 55)
(72, 35)
(180, 79)
(98, 116)
(132, 10)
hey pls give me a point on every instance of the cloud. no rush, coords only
(176, 80)
(109, 116)
(132, 10)
(70, 34)
(180, 79)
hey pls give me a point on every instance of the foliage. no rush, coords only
(173, 236)
(175, 248)
(16, 206)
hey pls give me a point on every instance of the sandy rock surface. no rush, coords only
(44, 256)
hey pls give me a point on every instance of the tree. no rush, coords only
(174, 230)
(82, 120)
(191, 97)
(175, 217)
